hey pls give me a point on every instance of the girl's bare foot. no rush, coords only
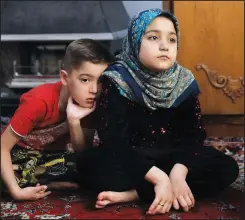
(109, 197)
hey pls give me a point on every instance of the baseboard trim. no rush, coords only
(224, 125)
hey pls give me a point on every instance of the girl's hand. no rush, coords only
(76, 112)
(182, 193)
(163, 197)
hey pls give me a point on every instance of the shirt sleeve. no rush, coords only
(30, 112)
(189, 132)
(113, 132)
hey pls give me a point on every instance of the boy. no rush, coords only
(48, 117)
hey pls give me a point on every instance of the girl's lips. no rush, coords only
(164, 57)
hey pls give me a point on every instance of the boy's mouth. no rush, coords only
(91, 100)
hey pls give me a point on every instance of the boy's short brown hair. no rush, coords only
(83, 50)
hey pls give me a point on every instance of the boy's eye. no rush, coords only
(152, 38)
(172, 40)
(84, 80)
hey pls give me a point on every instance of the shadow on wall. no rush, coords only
(6, 68)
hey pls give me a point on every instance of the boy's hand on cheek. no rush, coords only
(75, 112)
(182, 192)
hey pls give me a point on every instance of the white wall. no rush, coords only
(133, 7)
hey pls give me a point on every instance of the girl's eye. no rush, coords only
(172, 40)
(152, 38)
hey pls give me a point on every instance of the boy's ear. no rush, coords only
(63, 77)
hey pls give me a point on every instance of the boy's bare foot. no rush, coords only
(109, 197)
(62, 185)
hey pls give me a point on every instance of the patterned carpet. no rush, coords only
(77, 205)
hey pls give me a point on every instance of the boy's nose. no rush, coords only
(93, 88)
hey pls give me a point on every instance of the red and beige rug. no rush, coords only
(77, 205)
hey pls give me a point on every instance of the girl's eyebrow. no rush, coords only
(151, 31)
(158, 31)
(172, 33)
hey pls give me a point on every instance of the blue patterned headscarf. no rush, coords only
(154, 90)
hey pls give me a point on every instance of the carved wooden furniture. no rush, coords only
(212, 47)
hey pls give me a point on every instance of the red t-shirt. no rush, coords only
(37, 119)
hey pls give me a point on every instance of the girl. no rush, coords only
(149, 125)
